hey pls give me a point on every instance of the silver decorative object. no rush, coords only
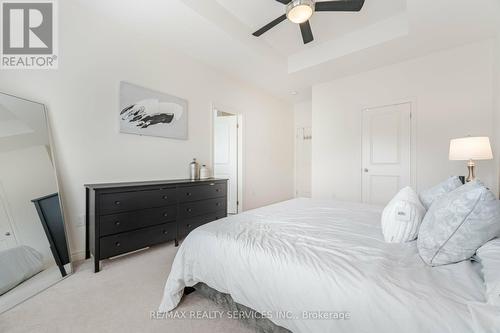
(194, 170)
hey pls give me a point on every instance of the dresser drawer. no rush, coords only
(127, 201)
(188, 225)
(190, 209)
(116, 223)
(201, 192)
(135, 240)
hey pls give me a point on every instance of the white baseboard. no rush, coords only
(77, 256)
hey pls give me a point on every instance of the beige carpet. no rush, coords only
(117, 299)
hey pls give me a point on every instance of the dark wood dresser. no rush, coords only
(124, 217)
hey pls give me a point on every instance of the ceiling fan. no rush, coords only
(300, 11)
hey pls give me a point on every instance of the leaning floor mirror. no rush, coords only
(33, 245)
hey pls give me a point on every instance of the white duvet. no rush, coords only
(305, 257)
(18, 264)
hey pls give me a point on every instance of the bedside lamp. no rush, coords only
(470, 149)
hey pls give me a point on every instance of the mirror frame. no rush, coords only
(69, 265)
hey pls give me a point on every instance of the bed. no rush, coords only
(17, 265)
(323, 266)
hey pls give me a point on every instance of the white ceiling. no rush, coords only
(218, 32)
(286, 38)
(22, 124)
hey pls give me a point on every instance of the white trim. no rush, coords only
(240, 164)
(214, 108)
(295, 145)
(297, 140)
(10, 220)
(77, 256)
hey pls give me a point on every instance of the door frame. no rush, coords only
(4, 204)
(296, 146)
(240, 182)
(413, 137)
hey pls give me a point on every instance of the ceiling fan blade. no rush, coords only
(340, 6)
(285, 2)
(270, 25)
(307, 35)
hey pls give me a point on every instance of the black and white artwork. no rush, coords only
(148, 112)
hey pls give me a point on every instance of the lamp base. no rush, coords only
(471, 166)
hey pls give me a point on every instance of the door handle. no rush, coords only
(7, 233)
(366, 170)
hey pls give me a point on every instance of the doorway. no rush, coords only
(387, 152)
(303, 162)
(228, 155)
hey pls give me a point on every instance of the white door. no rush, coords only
(7, 238)
(303, 162)
(386, 152)
(226, 157)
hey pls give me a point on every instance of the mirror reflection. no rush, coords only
(33, 247)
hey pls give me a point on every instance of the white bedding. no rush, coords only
(313, 255)
(17, 265)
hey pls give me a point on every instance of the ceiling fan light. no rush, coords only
(300, 11)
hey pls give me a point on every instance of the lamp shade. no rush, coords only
(470, 148)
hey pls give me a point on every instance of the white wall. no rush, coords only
(303, 119)
(27, 174)
(454, 98)
(303, 114)
(82, 100)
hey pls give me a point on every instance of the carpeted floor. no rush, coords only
(117, 299)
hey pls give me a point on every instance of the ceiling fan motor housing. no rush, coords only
(300, 11)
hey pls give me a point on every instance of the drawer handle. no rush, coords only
(189, 210)
(165, 214)
(118, 244)
(165, 197)
(188, 194)
(117, 223)
(217, 204)
(217, 190)
(118, 203)
(212, 184)
(189, 225)
(165, 232)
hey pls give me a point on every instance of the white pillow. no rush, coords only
(428, 196)
(489, 257)
(457, 224)
(401, 218)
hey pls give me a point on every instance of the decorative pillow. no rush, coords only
(457, 224)
(402, 217)
(489, 257)
(428, 196)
